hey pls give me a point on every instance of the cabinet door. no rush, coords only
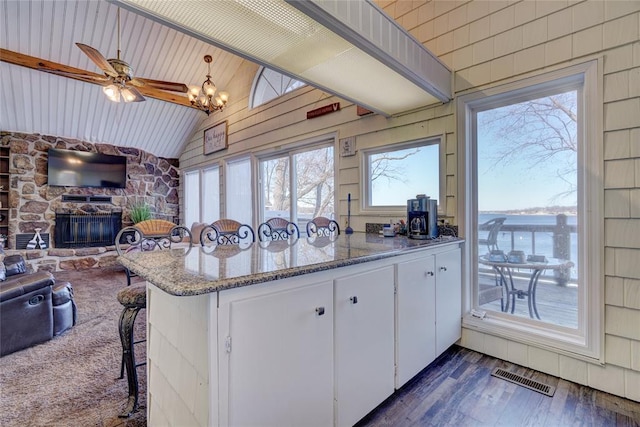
(364, 354)
(415, 317)
(280, 363)
(448, 299)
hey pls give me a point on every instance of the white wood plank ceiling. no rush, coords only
(368, 48)
(37, 102)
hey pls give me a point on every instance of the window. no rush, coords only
(298, 185)
(396, 173)
(239, 205)
(202, 195)
(532, 203)
(191, 198)
(270, 84)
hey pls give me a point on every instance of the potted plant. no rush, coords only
(139, 211)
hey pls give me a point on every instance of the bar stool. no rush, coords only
(133, 298)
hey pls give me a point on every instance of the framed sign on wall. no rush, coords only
(215, 138)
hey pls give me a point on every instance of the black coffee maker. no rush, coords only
(422, 218)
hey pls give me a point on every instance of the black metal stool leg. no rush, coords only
(127, 320)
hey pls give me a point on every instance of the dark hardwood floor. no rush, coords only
(457, 389)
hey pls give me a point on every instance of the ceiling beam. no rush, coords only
(34, 63)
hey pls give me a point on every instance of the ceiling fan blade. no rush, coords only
(103, 80)
(159, 84)
(131, 94)
(98, 59)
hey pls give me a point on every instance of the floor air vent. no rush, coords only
(524, 382)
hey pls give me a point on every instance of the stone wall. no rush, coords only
(33, 203)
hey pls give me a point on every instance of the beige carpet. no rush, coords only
(72, 380)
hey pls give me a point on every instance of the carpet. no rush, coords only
(72, 380)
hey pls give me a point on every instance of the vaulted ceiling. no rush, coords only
(37, 102)
(169, 43)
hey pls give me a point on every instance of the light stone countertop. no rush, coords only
(182, 271)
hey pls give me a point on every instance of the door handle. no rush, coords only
(319, 311)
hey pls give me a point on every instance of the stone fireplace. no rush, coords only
(76, 222)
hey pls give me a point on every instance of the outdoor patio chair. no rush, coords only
(493, 225)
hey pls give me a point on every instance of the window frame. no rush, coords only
(202, 192)
(256, 81)
(290, 151)
(588, 342)
(366, 206)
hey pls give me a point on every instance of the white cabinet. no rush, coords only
(276, 358)
(364, 343)
(428, 310)
(448, 299)
(416, 317)
(320, 349)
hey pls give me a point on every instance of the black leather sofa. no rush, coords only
(33, 307)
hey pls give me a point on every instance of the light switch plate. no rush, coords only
(348, 146)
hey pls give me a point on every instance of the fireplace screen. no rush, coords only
(86, 230)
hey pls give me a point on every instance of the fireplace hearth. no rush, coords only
(81, 230)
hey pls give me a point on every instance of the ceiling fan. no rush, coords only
(119, 82)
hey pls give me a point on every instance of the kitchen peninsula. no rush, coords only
(316, 332)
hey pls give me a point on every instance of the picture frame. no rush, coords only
(215, 138)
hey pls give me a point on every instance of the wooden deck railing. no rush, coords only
(561, 235)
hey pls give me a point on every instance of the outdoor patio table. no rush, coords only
(505, 271)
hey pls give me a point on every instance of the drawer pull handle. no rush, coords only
(353, 299)
(319, 311)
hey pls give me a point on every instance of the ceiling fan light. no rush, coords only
(128, 96)
(112, 92)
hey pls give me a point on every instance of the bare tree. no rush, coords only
(541, 129)
(387, 165)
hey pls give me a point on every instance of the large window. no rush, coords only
(298, 185)
(238, 192)
(396, 173)
(532, 197)
(202, 196)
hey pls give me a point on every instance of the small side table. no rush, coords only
(505, 270)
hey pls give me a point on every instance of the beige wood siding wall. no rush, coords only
(489, 42)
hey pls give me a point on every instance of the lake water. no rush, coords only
(523, 241)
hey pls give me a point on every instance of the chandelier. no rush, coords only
(202, 97)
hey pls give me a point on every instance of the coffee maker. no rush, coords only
(422, 218)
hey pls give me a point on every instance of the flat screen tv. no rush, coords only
(70, 168)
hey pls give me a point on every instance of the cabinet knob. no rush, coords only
(319, 311)
(428, 273)
(353, 299)
(443, 268)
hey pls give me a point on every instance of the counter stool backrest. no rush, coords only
(321, 226)
(226, 232)
(277, 229)
(150, 235)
